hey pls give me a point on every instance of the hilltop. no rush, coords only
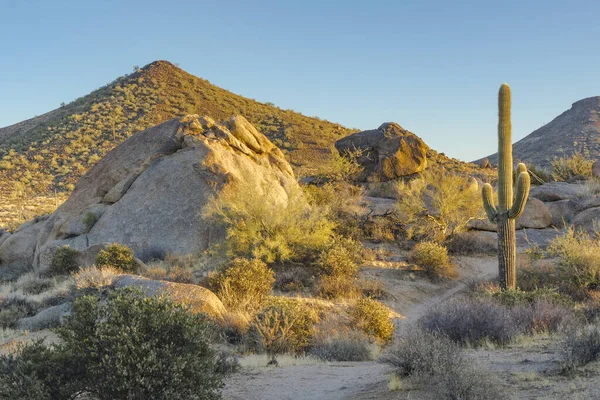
(575, 130)
(53, 150)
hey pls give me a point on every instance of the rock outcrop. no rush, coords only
(148, 193)
(386, 153)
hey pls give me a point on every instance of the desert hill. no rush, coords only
(55, 149)
(575, 130)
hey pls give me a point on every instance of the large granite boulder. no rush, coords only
(149, 192)
(387, 152)
(588, 220)
(556, 191)
(198, 298)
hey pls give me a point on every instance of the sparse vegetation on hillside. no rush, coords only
(54, 150)
(576, 165)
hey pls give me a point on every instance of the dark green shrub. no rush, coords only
(131, 347)
(117, 256)
(64, 261)
(373, 318)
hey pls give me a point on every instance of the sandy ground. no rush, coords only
(412, 296)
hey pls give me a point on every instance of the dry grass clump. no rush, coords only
(566, 168)
(243, 284)
(373, 318)
(580, 346)
(441, 368)
(180, 275)
(433, 258)
(155, 272)
(470, 243)
(344, 346)
(96, 277)
(437, 204)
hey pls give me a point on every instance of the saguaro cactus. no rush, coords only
(508, 208)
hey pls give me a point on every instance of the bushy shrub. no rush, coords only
(155, 272)
(433, 258)
(64, 261)
(131, 347)
(260, 225)
(440, 366)
(372, 318)
(284, 325)
(243, 284)
(117, 256)
(437, 204)
(348, 346)
(471, 321)
(338, 267)
(578, 257)
(565, 168)
(580, 347)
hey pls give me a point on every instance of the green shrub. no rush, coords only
(260, 225)
(565, 168)
(578, 257)
(373, 318)
(64, 261)
(243, 284)
(284, 325)
(131, 347)
(433, 258)
(117, 256)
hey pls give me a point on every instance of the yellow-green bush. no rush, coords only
(373, 318)
(260, 225)
(565, 168)
(578, 257)
(437, 204)
(243, 284)
(433, 258)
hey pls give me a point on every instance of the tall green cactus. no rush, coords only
(508, 209)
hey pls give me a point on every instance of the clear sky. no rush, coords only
(432, 66)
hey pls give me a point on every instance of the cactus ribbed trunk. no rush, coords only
(507, 210)
(507, 252)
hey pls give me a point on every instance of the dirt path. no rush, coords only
(356, 380)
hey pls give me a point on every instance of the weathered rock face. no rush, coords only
(388, 152)
(148, 193)
(596, 169)
(555, 191)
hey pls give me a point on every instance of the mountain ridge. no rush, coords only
(575, 130)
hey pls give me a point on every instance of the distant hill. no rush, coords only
(53, 150)
(575, 130)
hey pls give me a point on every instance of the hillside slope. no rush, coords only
(575, 130)
(53, 150)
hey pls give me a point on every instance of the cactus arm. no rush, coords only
(488, 202)
(523, 185)
(521, 168)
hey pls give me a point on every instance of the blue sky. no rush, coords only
(432, 66)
